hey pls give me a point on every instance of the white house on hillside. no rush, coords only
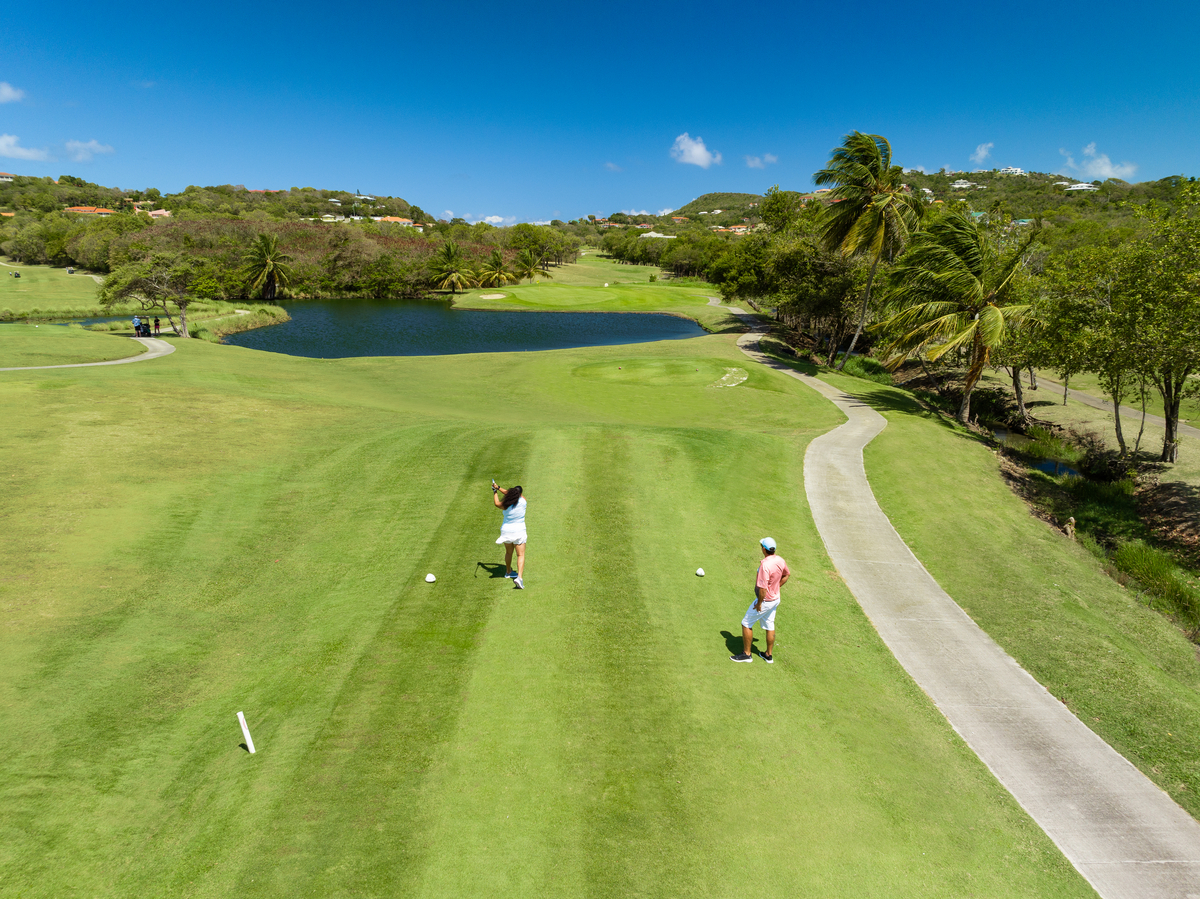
(6, 176)
(1082, 186)
(1012, 170)
(962, 184)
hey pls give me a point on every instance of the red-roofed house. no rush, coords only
(396, 220)
(90, 210)
(6, 176)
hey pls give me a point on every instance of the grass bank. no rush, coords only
(22, 345)
(1128, 673)
(256, 539)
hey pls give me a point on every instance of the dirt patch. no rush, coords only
(1172, 511)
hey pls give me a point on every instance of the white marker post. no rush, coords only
(246, 732)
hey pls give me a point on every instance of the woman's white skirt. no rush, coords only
(512, 533)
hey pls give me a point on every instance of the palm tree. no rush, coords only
(955, 288)
(870, 213)
(449, 269)
(530, 266)
(495, 271)
(265, 266)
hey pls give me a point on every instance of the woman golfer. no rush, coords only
(512, 532)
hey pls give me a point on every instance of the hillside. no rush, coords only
(726, 202)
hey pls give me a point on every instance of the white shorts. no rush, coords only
(766, 617)
(512, 534)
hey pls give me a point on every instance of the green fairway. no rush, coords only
(691, 302)
(1127, 672)
(45, 289)
(256, 538)
(22, 345)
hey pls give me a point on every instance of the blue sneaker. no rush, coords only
(511, 574)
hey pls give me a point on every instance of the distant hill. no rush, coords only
(724, 202)
(1039, 194)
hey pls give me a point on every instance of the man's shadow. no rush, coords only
(493, 569)
(733, 642)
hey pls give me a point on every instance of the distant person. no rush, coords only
(137, 326)
(157, 325)
(512, 531)
(773, 573)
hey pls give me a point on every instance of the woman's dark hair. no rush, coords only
(511, 497)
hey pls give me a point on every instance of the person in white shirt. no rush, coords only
(512, 532)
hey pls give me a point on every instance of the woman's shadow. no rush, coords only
(493, 569)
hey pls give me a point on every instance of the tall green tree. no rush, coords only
(450, 269)
(528, 265)
(956, 287)
(869, 213)
(495, 271)
(266, 267)
(162, 282)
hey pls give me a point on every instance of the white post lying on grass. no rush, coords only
(246, 732)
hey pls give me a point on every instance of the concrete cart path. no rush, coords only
(1127, 837)
(155, 347)
(1129, 417)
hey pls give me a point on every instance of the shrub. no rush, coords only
(1157, 572)
(867, 369)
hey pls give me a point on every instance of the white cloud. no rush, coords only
(761, 162)
(982, 152)
(144, 85)
(693, 152)
(10, 148)
(10, 94)
(613, 167)
(447, 214)
(917, 168)
(83, 152)
(635, 212)
(499, 219)
(1096, 166)
(664, 212)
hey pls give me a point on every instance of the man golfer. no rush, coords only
(773, 573)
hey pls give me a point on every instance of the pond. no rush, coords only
(339, 329)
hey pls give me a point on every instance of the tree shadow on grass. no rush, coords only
(493, 569)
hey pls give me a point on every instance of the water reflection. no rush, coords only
(340, 329)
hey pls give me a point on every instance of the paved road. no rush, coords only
(1127, 837)
(1129, 417)
(154, 346)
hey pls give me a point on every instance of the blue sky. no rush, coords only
(531, 111)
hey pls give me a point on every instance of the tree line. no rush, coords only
(944, 283)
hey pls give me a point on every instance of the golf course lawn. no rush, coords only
(22, 345)
(47, 289)
(1123, 669)
(691, 302)
(254, 537)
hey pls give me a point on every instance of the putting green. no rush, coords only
(253, 535)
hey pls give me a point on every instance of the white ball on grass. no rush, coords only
(429, 579)
(699, 572)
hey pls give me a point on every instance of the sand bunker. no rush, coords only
(733, 377)
(491, 296)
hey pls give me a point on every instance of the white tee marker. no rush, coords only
(429, 578)
(246, 732)
(699, 572)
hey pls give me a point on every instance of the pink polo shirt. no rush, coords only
(770, 573)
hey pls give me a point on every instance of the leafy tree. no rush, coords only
(870, 213)
(956, 287)
(162, 282)
(266, 267)
(450, 270)
(494, 272)
(529, 266)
